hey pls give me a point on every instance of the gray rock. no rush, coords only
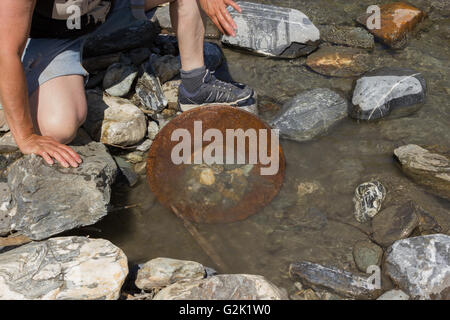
(127, 171)
(310, 114)
(149, 91)
(384, 90)
(114, 121)
(99, 63)
(420, 266)
(366, 254)
(348, 36)
(394, 223)
(272, 31)
(48, 197)
(118, 79)
(8, 154)
(137, 35)
(162, 272)
(393, 295)
(3, 124)
(223, 287)
(166, 67)
(7, 209)
(67, 268)
(430, 168)
(368, 199)
(144, 146)
(139, 55)
(339, 281)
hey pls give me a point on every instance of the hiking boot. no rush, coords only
(213, 92)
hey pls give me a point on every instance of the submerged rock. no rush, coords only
(393, 295)
(223, 287)
(162, 272)
(339, 61)
(381, 91)
(347, 36)
(366, 254)
(420, 266)
(368, 199)
(310, 114)
(118, 79)
(114, 121)
(273, 31)
(67, 268)
(428, 167)
(394, 223)
(397, 20)
(48, 197)
(149, 91)
(339, 281)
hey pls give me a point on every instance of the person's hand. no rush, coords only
(49, 149)
(218, 13)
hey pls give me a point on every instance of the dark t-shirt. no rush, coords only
(68, 18)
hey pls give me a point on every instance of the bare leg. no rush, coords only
(59, 108)
(188, 24)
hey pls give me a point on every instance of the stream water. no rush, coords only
(312, 217)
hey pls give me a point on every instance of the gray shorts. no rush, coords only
(46, 59)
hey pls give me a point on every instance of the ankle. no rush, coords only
(193, 79)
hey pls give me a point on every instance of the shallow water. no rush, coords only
(319, 226)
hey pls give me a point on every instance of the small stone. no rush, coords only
(393, 295)
(223, 287)
(310, 114)
(152, 130)
(307, 294)
(368, 199)
(207, 177)
(135, 157)
(428, 167)
(339, 61)
(397, 20)
(420, 266)
(162, 272)
(127, 172)
(339, 281)
(366, 254)
(394, 223)
(347, 36)
(382, 91)
(114, 121)
(67, 268)
(272, 31)
(149, 91)
(144, 146)
(166, 67)
(3, 124)
(170, 89)
(141, 167)
(118, 79)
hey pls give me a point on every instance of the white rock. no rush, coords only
(75, 268)
(152, 130)
(223, 287)
(394, 295)
(420, 266)
(161, 272)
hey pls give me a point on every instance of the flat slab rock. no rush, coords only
(384, 90)
(161, 272)
(339, 281)
(66, 268)
(48, 198)
(223, 287)
(420, 266)
(273, 31)
(310, 114)
(430, 168)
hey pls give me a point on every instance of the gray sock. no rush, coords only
(193, 79)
